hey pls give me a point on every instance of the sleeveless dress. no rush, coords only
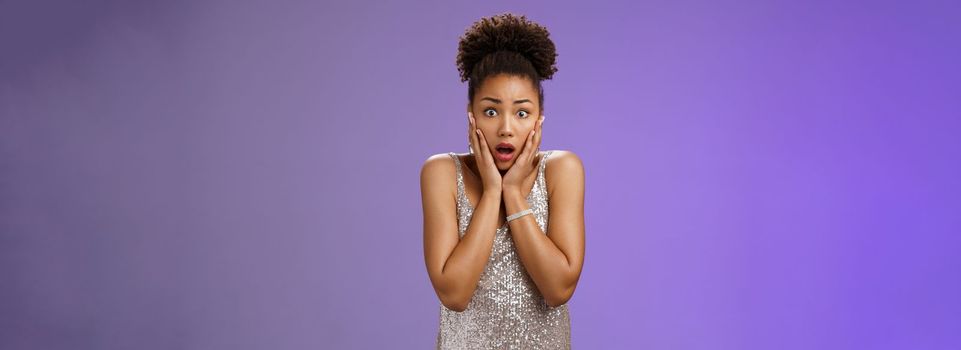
(506, 310)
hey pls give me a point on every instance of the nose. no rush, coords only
(506, 128)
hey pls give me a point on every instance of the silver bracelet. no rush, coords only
(514, 216)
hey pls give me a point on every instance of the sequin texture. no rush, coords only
(506, 311)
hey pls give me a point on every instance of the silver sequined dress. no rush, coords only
(506, 310)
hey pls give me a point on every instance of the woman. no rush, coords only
(502, 268)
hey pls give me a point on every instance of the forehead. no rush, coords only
(503, 86)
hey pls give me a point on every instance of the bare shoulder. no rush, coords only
(438, 162)
(562, 161)
(437, 169)
(563, 167)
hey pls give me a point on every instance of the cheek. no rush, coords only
(527, 135)
(490, 132)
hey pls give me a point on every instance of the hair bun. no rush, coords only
(507, 32)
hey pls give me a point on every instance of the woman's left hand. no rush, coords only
(524, 166)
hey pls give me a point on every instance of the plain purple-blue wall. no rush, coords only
(245, 175)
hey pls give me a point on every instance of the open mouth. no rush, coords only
(505, 151)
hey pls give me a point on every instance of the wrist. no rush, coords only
(511, 191)
(514, 202)
(492, 195)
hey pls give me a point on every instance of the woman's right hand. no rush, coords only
(490, 177)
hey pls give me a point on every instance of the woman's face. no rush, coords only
(505, 109)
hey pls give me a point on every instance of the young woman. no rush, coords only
(503, 268)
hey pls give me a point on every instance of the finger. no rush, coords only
(481, 140)
(483, 146)
(540, 134)
(535, 147)
(529, 146)
(475, 139)
(473, 125)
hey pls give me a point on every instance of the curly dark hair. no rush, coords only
(506, 44)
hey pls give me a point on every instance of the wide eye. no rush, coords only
(523, 113)
(490, 112)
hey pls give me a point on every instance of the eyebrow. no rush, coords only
(499, 101)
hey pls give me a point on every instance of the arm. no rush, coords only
(553, 260)
(454, 264)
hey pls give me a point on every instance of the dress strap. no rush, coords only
(540, 171)
(460, 177)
